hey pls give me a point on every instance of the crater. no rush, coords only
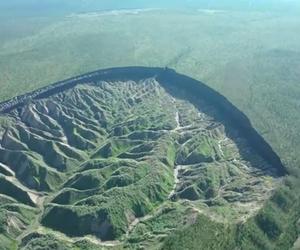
(110, 150)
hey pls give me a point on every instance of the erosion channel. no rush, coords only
(127, 156)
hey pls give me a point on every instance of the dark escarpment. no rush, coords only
(133, 73)
(196, 90)
(128, 155)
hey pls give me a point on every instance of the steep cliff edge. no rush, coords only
(125, 157)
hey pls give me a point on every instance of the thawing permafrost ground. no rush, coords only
(110, 159)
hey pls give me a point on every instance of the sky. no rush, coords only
(40, 7)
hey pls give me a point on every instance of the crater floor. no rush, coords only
(124, 162)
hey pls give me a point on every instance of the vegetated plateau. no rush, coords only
(127, 158)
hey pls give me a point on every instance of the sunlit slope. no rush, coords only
(126, 162)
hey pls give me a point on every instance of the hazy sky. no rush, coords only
(28, 7)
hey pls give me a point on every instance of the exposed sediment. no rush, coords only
(168, 77)
(107, 152)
